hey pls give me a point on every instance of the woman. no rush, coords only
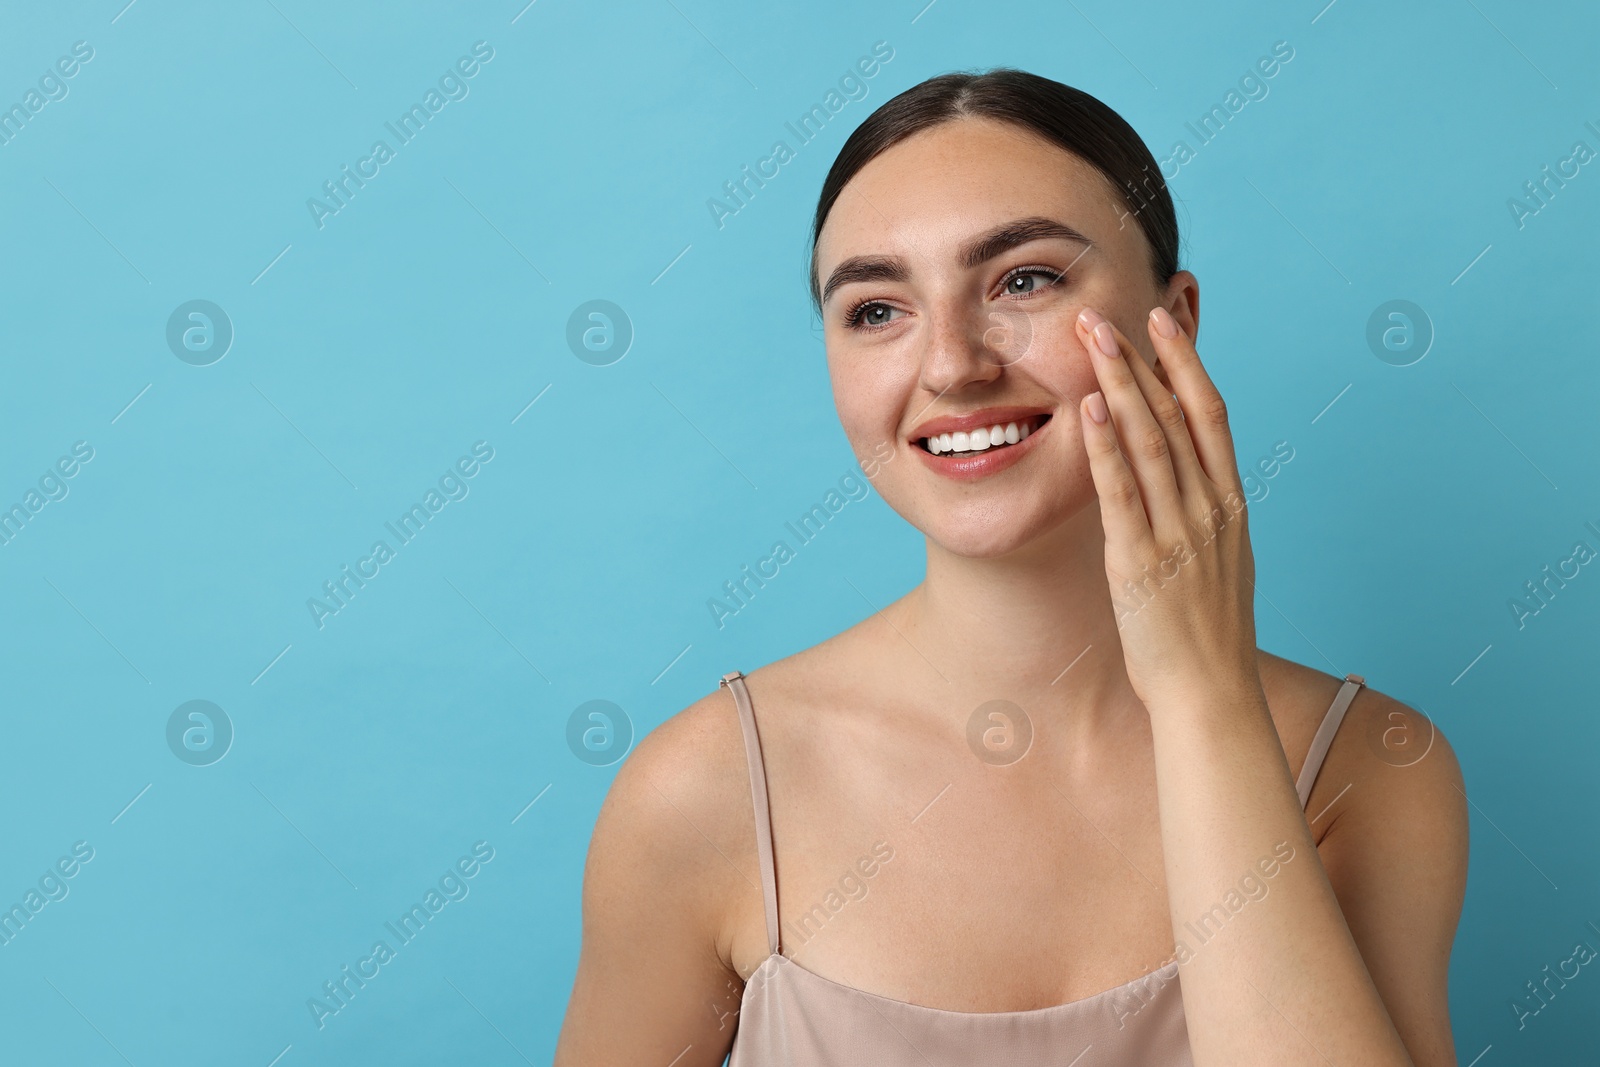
(1009, 817)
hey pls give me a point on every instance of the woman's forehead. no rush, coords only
(925, 199)
(930, 194)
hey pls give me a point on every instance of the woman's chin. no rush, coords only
(989, 539)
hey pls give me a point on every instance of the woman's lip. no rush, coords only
(970, 466)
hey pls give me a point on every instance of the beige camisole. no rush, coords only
(792, 1017)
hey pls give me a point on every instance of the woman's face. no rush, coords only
(945, 328)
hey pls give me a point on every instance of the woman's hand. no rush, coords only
(1177, 542)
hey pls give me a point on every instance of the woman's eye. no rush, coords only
(871, 315)
(1024, 282)
(875, 315)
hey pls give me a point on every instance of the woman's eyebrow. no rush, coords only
(979, 250)
(1009, 235)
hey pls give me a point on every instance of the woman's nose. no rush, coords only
(964, 346)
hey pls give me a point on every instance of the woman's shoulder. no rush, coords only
(1301, 696)
(669, 903)
(682, 786)
(683, 796)
(1378, 737)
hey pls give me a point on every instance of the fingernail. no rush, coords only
(1097, 407)
(1100, 330)
(1166, 325)
(1106, 340)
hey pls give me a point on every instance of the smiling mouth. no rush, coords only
(1000, 435)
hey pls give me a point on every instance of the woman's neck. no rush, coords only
(1036, 626)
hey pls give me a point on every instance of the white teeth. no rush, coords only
(981, 439)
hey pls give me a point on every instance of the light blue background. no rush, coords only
(430, 311)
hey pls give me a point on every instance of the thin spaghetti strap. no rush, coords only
(1324, 738)
(734, 680)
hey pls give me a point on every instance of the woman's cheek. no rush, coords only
(1063, 366)
(870, 402)
(863, 424)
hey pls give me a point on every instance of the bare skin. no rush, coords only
(1163, 760)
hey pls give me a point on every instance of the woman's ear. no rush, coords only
(1182, 301)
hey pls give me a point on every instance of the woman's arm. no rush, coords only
(1344, 959)
(1394, 845)
(1274, 978)
(652, 986)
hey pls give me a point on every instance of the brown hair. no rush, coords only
(1068, 117)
